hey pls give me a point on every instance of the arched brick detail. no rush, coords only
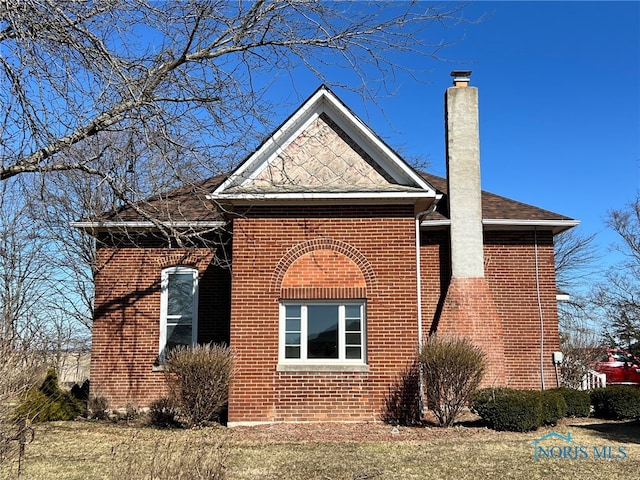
(198, 259)
(323, 274)
(337, 246)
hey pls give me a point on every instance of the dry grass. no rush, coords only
(68, 450)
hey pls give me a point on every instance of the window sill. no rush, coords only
(158, 368)
(302, 367)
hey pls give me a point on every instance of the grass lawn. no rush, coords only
(95, 450)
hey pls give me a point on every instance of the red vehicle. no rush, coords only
(620, 367)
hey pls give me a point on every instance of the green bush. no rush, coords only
(81, 392)
(49, 402)
(510, 410)
(554, 406)
(578, 401)
(452, 369)
(617, 402)
(198, 378)
(525, 410)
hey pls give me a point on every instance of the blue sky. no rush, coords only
(559, 86)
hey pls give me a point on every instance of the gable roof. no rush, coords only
(321, 153)
(324, 152)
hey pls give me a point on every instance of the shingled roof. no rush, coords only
(494, 207)
(189, 204)
(181, 206)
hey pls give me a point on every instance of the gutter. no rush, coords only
(106, 225)
(557, 226)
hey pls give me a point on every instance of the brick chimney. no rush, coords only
(468, 308)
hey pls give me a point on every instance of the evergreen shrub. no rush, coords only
(554, 406)
(505, 409)
(163, 414)
(49, 402)
(617, 402)
(578, 401)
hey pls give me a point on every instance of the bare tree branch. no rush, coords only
(70, 71)
(618, 297)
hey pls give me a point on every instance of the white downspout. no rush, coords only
(535, 242)
(419, 292)
(431, 209)
(418, 279)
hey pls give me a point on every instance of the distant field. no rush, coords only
(92, 450)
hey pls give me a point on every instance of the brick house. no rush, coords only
(331, 259)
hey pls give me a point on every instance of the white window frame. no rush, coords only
(165, 321)
(303, 361)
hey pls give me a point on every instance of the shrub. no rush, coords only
(163, 414)
(49, 402)
(578, 401)
(198, 378)
(402, 402)
(97, 407)
(128, 414)
(452, 369)
(554, 406)
(617, 402)
(510, 410)
(81, 392)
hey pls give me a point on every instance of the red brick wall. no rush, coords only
(510, 271)
(381, 242)
(370, 251)
(510, 259)
(323, 268)
(126, 324)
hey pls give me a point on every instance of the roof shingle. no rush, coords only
(493, 206)
(189, 204)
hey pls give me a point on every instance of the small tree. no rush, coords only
(452, 369)
(21, 369)
(198, 377)
(618, 296)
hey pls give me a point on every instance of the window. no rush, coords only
(322, 333)
(178, 308)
